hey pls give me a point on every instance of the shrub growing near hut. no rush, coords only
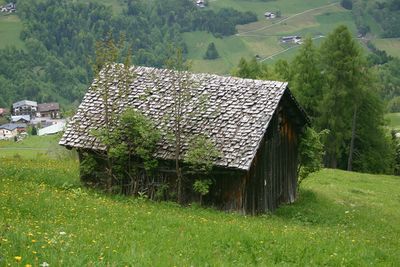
(311, 152)
(200, 157)
(132, 144)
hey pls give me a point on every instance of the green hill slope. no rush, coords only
(310, 18)
(341, 218)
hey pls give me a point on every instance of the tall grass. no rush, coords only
(341, 218)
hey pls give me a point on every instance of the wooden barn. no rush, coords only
(254, 124)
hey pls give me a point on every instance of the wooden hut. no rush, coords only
(255, 125)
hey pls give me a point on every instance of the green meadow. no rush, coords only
(34, 147)
(10, 29)
(340, 219)
(390, 45)
(308, 18)
(116, 5)
(393, 120)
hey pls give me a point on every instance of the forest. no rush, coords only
(60, 39)
(385, 13)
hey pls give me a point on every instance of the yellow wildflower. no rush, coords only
(18, 258)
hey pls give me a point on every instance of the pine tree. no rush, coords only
(306, 82)
(343, 69)
(211, 52)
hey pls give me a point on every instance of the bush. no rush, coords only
(311, 153)
(347, 4)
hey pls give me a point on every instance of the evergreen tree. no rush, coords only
(306, 82)
(343, 68)
(373, 148)
(282, 70)
(211, 52)
(252, 70)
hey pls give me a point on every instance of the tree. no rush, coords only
(182, 93)
(344, 71)
(107, 71)
(307, 81)
(211, 52)
(347, 4)
(132, 145)
(252, 69)
(373, 148)
(282, 70)
(34, 130)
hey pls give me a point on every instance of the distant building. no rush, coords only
(25, 107)
(50, 110)
(9, 130)
(269, 15)
(45, 122)
(21, 119)
(8, 8)
(4, 112)
(53, 129)
(292, 39)
(200, 3)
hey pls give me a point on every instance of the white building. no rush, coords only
(269, 15)
(53, 129)
(9, 130)
(25, 107)
(200, 3)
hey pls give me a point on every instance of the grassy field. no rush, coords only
(10, 29)
(390, 45)
(308, 18)
(287, 7)
(116, 5)
(34, 147)
(340, 219)
(393, 120)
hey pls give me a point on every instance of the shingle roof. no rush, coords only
(236, 115)
(20, 117)
(25, 102)
(48, 107)
(12, 126)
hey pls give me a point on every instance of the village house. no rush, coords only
(292, 39)
(25, 107)
(201, 3)
(52, 129)
(8, 8)
(49, 110)
(254, 124)
(4, 112)
(10, 130)
(21, 119)
(269, 15)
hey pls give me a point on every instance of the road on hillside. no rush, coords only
(285, 19)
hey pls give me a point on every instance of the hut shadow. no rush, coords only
(312, 208)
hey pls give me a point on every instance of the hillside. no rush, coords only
(56, 60)
(310, 18)
(341, 218)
